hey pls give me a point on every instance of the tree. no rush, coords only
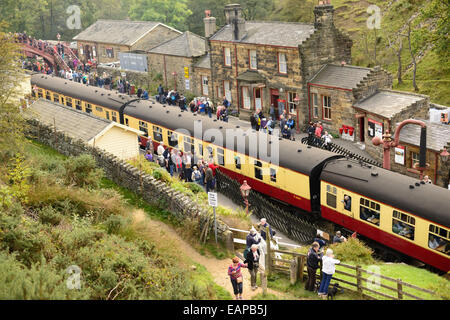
(171, 12)
(397, 46)
(11, 76)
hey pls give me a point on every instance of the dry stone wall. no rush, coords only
(153, 191)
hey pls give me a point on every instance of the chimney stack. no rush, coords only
(323, 15)
(233, 16)
(210, 24)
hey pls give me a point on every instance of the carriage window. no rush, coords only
(331, 196)
(143, 126)
(126, 122)
(273, 175)
(56, 97)
(403, 225)
(439, 240)
(220, 156)
(369, 211)
(107, 115)
(237, 162)
(69, 102)
(188, 145)
(200, 149)
(78, 105)
(88, 108)
(98, 109)
(172, 137)
(157, 133)
(258, 170)
(347, 202)
(114, 116)
(48, 96)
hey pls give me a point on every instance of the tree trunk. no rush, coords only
(375, 46)
(399, 56)
(413, 59)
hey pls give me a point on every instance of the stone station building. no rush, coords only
(104, 39)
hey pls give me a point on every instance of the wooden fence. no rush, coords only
(293, 264)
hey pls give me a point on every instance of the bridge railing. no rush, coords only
(320, 143)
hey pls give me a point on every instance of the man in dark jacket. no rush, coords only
(252, 260)
(312, 264)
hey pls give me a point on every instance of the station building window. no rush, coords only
(258, 170)
(403, 224)
(369, 211)
(438, 239)
(331, 196)
(172, 137)
(143, 126)
(157, 134)
(326, 107)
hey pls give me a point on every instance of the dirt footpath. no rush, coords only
(170, 240)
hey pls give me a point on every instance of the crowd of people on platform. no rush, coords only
(186, 166)
(317, 135)
(259, 122)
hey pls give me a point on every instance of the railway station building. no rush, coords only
(176, 60)
(406, 154)
(105, 39)
(119, 140)
(256, 64)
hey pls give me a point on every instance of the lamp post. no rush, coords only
(387, 142)
(245, 191)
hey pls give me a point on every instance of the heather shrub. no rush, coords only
(82, 171)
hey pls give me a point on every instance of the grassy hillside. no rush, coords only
(433, 76)
(57, 212)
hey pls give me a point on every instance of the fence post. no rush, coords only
(399, 289)
(269, 252)
(301, 267)
(358, 280)
(264, 282)
(293, 271)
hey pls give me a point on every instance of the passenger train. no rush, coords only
(394, 210)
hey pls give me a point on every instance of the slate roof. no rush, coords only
(387, 103)
(345, 77)
(269, 33)
(438, 135)
(204, 62)
(74, 123)
(187, 44)
(120, 32)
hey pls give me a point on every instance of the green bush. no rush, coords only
(82, 171)
(114, 224)
(48, 215)
(353, 251)
(194, 187)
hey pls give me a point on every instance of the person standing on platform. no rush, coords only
(312, 264)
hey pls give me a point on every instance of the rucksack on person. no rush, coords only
(161, 161)
(197, 175)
